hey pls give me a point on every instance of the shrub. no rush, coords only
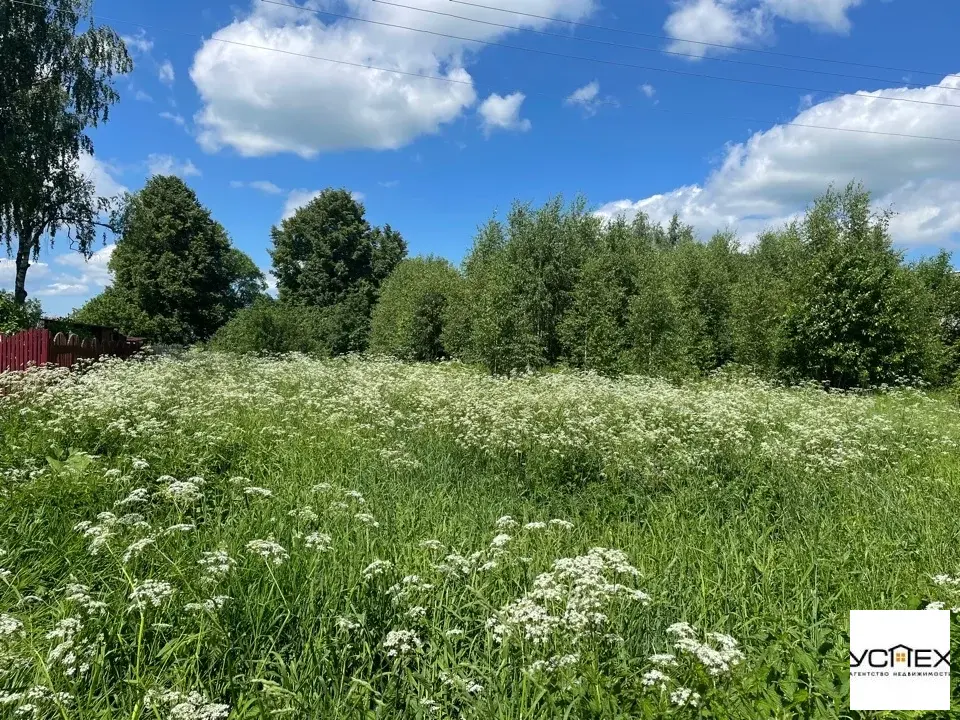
(268, 326)
(409, 320)
(14, 317)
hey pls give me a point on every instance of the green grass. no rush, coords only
(761, 513)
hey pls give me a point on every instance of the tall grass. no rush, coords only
(209, 537)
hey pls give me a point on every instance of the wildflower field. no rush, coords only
(206, 536)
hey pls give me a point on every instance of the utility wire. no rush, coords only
(701, 42)
(469, 83)
(615, 63)
(610, 43)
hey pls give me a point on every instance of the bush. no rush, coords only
(269, 326)
(410, 318)
(14, 318)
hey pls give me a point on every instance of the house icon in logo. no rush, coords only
(900, 655)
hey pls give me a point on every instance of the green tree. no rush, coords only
(55, 84)
(853, 320)
(15, 316)
(176, 276)
(269, 326)
(761, 296)
(327, 250)
(408, 321)
(594, 327)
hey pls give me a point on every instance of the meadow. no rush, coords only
(206, 536)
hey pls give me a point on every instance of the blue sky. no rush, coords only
(257, 132)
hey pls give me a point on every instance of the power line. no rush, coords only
(701, 42)
(470, 83)
(615, 63)
(663, 51)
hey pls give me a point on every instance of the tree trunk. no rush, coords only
(23, 263)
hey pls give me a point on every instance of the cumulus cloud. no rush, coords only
(588, 98)
(101, 173)
(648, 90)
(260, 103)
(264, 186)
(165, 73)
(298, 198)
(174, 118)
(160, 164)
(138, 43)
(746, 22)
(772, 177)
(503, 113)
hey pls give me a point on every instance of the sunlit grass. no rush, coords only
(364, 539)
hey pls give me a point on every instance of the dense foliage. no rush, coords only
(826, 298)
(410, 318)
(56, 82)
(176, 278)
(243, 538)
(15, 316)
(329, 263)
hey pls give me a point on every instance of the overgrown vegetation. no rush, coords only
(240, 537)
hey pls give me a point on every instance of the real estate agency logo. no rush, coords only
(899, 660)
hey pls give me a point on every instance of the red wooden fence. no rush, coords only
(40, 347)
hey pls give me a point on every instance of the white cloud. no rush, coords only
(101, 173)
(174, 118)
(160, 164)
(774, 175)
(389, 183)
(648, 90)
(264, 186)
(588, 98)
(93, 271)
(138, 43)
(142, 96)
(503, 113)
(57, 288)
(298, 198)
(165, 73)
(826, 14)
(261, 103)
(746, 22)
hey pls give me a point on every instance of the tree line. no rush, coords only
(826, 298)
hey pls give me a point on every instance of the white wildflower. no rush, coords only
(506, 522)
(9, 625)
(209, 605)
(269, 550)
(215, 564)
(653, 677)
(402, 642)
(936, 605)
(684, 697)
(140, 464)
(500, 541)
(355, 496)
(180, 528)
(304, 514)
(136, 497)
(535, 525)
(432, 545)
(367, 519)
(376, 568)
(183, 491)
(150, 593)
(321, 542)
(136, 548)
(346, 624)
(255, 491)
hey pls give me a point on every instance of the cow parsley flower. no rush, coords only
(9, 625)
(150, 593)
(255, 491)
(135, 548)
(321, 542)
(367, 519)
(269, 550)
(506, 522)
(140, 464)
(402, 642)
(376, 568)
(136, 497)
